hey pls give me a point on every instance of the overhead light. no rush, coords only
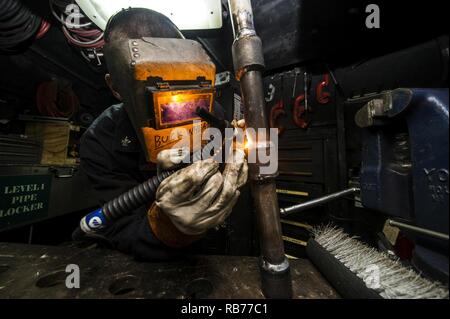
(185, 14)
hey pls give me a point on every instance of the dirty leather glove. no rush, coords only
(171, 158)
(200, 197)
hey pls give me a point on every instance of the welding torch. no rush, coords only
(218, 123)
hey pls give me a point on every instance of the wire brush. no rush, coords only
(380, 274)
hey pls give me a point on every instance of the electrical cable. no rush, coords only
(120, 206)
(56, 100)
(86, 36)
(97, 42)
(18, 25)
(64, 22)
(45, 26)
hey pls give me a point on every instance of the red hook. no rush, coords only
(300, 113)
(321, 96)
(277, 111)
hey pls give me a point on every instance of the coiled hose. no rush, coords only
(120, 206)
(18, 26)
(56, 99)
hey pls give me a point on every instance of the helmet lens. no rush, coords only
(179, 107)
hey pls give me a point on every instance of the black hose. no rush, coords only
(18, 26)
(134, 198)
(125, 204)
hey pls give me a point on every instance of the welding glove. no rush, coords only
(171, 158)
(174, 157)
(196, 199)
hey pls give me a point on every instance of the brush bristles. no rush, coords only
(388, 277)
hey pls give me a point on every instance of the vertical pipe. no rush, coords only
(249, 64)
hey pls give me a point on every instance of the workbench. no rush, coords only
(30, 271)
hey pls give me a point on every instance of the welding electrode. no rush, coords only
(213, 120)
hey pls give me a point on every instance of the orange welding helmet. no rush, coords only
(162, 77)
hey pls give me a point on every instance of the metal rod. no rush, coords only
(419, 230)
(318, 201)
(248, 64)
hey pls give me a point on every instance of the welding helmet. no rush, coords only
(161, 76)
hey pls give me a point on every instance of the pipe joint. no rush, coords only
(247, 55)
(274, 268)
(263, 178)
(276, 280)
(244, 24)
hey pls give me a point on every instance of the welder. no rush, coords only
(160, 79)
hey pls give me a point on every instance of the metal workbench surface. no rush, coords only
(29, 271)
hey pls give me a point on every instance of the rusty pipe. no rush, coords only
(248, 64)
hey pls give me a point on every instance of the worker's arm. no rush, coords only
(188, 203)
(112, 170)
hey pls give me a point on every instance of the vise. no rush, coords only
(404, 172)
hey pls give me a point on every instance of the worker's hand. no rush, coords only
(171, 158)
(200, 197)
(238, 124)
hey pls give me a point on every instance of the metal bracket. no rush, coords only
(63, 172)
(223, 78)
(271, 93)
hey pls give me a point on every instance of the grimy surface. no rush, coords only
(28, 271)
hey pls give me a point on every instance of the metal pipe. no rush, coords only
(249, 64)
(419, 230)
(318, 201)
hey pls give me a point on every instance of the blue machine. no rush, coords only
(405, 170)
